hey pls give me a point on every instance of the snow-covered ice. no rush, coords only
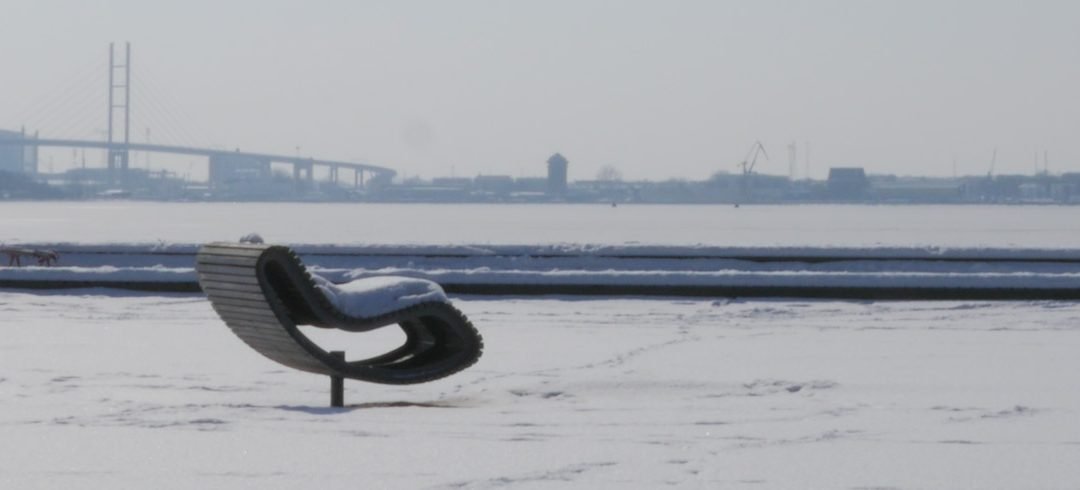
(100, 389)
(719, 225)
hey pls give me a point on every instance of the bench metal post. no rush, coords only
(337, 384)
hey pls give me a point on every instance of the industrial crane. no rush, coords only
(748, 163)
(747, 166)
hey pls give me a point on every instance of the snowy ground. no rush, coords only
(107, 390)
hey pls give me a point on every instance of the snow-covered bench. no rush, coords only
(264, 293)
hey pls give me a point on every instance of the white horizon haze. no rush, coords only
(656, 89)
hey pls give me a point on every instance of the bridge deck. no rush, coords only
(187, 150)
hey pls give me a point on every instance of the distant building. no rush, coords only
(557, 173)
(530, 184)
(422, 193)
(245, 178)
(892, 189)
(846, 183)
(17, 158)
(495, 184)
(1034, 191)
(452, 182)
(1069, 189)
(228, 170)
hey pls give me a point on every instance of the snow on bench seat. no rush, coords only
(377, 296)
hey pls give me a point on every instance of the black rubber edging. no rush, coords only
(809, 292)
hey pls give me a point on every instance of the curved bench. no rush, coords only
(264, 293)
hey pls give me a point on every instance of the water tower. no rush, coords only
(556, 178)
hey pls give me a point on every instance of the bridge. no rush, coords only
(303, 167)
(224, 166)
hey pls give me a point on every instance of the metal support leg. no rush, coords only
(337, 384)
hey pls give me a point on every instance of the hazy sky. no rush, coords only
(657, 89)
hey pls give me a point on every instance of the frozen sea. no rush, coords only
(441, 224)
(103, 389)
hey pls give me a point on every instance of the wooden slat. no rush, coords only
(262, 342)
(283, 345)
(240, 288)
(214, 250)
(264, 323)
(258, 315)
(254, 316)
(224, 286)
(254, 326)
(227, 294)
(225, 270)
(253, 308)
(241, 302)
(227, 279)
(268, 333)
(270, 345)
(231, 260)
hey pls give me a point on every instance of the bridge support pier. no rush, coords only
(118, 165)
